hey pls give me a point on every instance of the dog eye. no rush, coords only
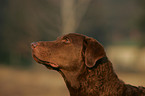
(66, 40)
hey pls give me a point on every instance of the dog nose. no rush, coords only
(34, 44)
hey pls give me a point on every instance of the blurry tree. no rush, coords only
(72, 13)
(142, 20)
(3, 56)
(26, 21)
(111, 21)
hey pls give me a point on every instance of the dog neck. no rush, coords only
(99, 79)
(91, 82)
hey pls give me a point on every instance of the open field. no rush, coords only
(43, 82)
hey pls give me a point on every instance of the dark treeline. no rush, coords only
(26, 21)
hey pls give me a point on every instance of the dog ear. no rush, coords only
(93, 52)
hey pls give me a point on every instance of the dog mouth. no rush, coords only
(46, 63)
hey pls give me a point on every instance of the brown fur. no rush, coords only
(83, 63)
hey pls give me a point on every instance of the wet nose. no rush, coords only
(34, 44)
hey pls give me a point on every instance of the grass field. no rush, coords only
(43, 82)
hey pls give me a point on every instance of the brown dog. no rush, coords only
(84, 66)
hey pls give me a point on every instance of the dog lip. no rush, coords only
(53, 65)
(46, 63)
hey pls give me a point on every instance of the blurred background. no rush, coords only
(118, 24)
